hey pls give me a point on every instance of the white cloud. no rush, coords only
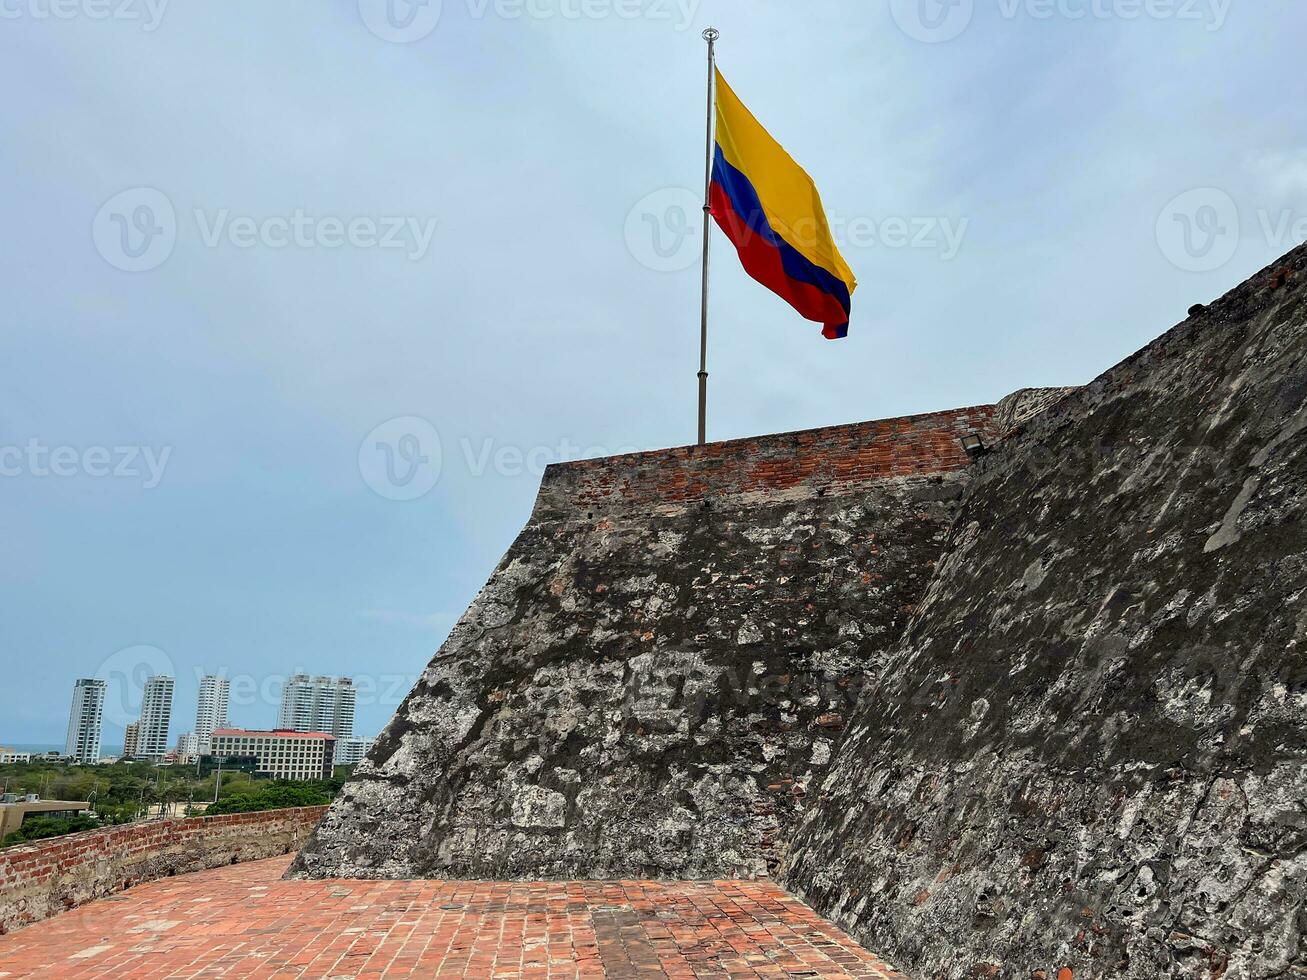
(1282, 172)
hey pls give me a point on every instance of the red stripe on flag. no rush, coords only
(762, 260)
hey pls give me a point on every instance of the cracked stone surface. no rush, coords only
(659, 667)
(1086, 756)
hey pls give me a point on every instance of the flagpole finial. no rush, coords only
(711, 35)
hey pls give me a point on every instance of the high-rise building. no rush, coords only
(351, 749)
(211, 712)
(156, 717)
(131, 740)
(318, 704)
(84, 718)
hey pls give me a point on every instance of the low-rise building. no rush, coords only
(11, 756)
(281, 754)
(207, 765)
(14, 809)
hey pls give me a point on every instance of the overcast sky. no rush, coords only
(264, 265)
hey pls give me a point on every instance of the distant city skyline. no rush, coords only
(328, 702)
(306, 703)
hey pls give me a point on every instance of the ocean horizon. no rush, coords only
(37, 748)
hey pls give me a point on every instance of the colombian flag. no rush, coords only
(769, 208)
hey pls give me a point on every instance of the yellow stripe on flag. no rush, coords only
(788, 195)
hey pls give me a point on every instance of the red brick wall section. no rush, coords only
(40, 879)
(833, 460)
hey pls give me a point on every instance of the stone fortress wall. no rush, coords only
(1039, 711)
(1090, 745)
(661, 663)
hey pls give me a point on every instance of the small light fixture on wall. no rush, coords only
(973, 444)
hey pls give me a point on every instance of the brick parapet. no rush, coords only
(795, 465)
(40, 879)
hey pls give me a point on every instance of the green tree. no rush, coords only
(39, 828)
(278, 796)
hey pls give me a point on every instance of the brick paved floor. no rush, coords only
(243, 921)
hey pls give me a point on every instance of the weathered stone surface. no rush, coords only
(1083, 758)
(1021, 406)
(657, 670)
(1086, 757)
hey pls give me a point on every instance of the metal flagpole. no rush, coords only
(710, 35)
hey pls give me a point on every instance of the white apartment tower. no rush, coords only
(84, 718)
(211, 713)
(156, 717)
(318, 704)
